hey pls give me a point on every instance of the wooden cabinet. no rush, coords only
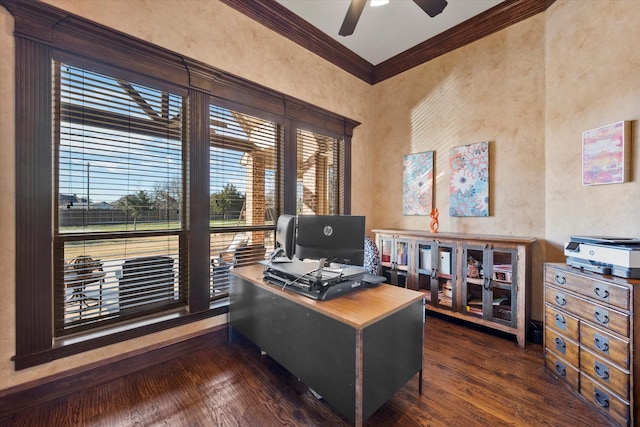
(478, 278)
(590, 335)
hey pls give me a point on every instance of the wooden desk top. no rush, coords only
(358, 308)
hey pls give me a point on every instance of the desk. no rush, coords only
(355, 350)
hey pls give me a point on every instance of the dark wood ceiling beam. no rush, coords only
(281, 20)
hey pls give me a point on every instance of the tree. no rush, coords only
(227, 201)
(167, 198)
(137, 204)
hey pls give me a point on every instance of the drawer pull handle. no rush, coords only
(601, 343)
(601, 317)
(601, 371)
(561, 369)
(601, 293)
(561, 300)
(601, 398)
(561, 323)
(560, 279)
(560, 345)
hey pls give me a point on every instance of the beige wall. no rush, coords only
(7, 196)
(491, 90)
(593, 80)
(530, 90)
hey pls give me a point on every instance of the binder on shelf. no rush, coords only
(445, 263)
(425, 259)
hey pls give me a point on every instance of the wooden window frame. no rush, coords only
(43, 32)
(61, 327)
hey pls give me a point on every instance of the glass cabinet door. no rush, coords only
(473, 280)
(489, 283)
(502, 286)
(435, 273)
(394, 259)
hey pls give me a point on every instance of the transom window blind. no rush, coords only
(245, 192)
(119, 172)
(320, 174)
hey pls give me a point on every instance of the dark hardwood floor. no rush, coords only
(471, 378)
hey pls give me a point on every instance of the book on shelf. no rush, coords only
(475, 302)
(500, 300)
(442, 300)
(474, 310)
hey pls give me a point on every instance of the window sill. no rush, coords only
(90, 340)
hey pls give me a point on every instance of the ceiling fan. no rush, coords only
(431, 7)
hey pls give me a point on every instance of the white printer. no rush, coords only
(618, 256)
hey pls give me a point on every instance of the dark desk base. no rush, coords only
(355, 370)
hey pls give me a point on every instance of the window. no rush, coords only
(245, 171)
(119, 180)
(320, 174)
(137, 171)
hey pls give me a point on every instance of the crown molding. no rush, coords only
(276, 17)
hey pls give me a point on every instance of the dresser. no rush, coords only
(590, 335)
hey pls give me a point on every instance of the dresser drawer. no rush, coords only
(602, 316)
(601, 291)
(605, 345)
(605, 400)
(563, 369)
(562, 346)
(562, 322)
(604, 372)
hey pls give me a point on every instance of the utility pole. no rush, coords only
(88, 199)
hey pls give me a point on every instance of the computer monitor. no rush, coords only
(336, 238)
(285, 237)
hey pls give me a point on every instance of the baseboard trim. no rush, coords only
(25, 396)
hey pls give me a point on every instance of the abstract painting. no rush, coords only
(469, 180)
(605, 157)
(417, 188)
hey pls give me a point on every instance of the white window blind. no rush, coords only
(245, 169)
(320, 174)
(119, 184)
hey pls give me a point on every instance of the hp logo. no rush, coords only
(328, 231)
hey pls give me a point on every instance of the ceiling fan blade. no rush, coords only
(352, 16)
(432, 7)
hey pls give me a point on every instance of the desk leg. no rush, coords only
(420, 382)
(359, 378)
(229, 333)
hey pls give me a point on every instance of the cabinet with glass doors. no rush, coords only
(481, 279)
